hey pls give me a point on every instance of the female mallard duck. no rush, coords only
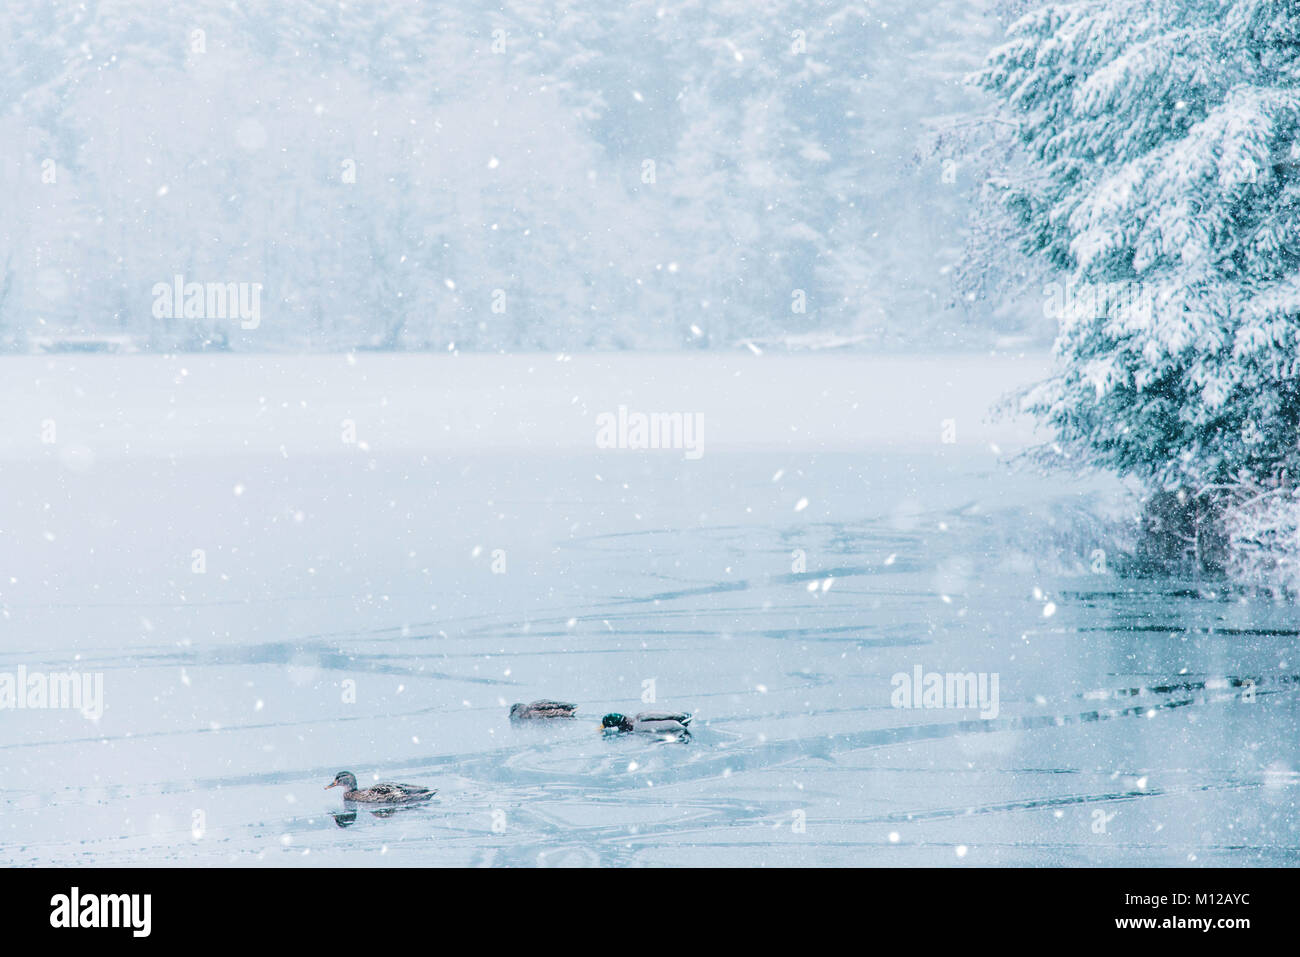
(383, 793)
(541, 709)
(648, 722)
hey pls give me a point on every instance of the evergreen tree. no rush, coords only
(1163, 139)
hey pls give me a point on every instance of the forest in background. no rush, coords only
(418, 176)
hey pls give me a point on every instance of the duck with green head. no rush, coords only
(385, 792)
(648, 722)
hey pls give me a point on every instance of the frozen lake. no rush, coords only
(288, 567)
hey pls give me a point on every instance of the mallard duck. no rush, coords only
(648, 722)
(541, 709)
(383, 793)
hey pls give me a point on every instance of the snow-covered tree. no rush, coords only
(1163, 181)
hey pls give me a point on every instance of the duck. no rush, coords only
(383, 793)
(648, 722)
(542, 708)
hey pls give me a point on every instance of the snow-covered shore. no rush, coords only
(206, 404)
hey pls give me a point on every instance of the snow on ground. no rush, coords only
(395, 548)
(293, 405)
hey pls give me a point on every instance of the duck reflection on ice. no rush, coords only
(348, 818)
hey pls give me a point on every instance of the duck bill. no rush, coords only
(334, 785)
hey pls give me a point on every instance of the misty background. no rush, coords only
(418, 176)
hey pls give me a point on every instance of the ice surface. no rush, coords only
(1124, 733)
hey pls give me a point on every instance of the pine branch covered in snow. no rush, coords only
(1264, 534)
(1163, 138)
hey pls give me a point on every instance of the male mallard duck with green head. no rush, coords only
(541, 709)
(383, 793)
(648, 722)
